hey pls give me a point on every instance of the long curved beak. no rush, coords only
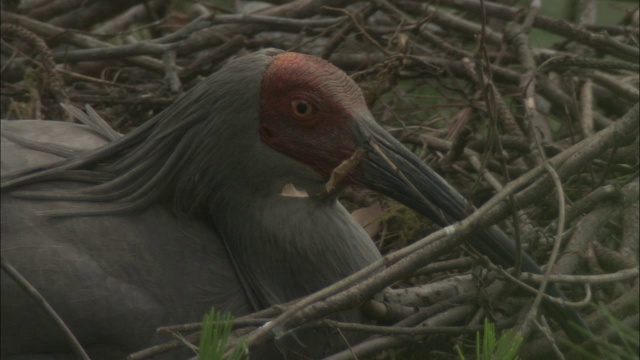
(391, 169)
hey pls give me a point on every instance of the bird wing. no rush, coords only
(106, 276)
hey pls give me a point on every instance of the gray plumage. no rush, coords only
(119, 277)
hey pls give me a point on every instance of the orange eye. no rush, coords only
(301, 108)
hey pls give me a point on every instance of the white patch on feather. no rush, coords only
(290, 191)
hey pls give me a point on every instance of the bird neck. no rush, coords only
(288, 247)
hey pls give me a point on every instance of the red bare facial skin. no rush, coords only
(306, 109)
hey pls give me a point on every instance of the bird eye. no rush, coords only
(301, 108)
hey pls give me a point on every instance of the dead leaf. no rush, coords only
(369, 218)
(343, 170)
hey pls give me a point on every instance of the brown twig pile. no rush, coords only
(549, 134)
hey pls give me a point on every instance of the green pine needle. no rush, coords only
(216, 328)
(488, 348)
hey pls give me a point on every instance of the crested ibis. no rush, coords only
(221, 199)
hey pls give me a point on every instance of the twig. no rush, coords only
(83, 41)
(556, 245)
(586, 231)
(587, 63)
(55, 83)
(379, 343)
(584, 279)
(44, 304)
(520, 282)
(170, 74)
(546, 331)
(618, 87)
(591, 200)
(558, 27)
(399, 330)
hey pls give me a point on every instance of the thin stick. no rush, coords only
(33, 292)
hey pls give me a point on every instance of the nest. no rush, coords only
(541, 110)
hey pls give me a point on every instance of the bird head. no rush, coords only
(310, 111)
(313, 112)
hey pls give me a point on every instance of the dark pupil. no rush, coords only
(302, 108)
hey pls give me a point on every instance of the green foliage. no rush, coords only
(216, 328)
(625, 348)
(504, 348)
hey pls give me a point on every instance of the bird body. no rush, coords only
(234, 241)
(195, 208)
(127, 275)
(110, 277)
